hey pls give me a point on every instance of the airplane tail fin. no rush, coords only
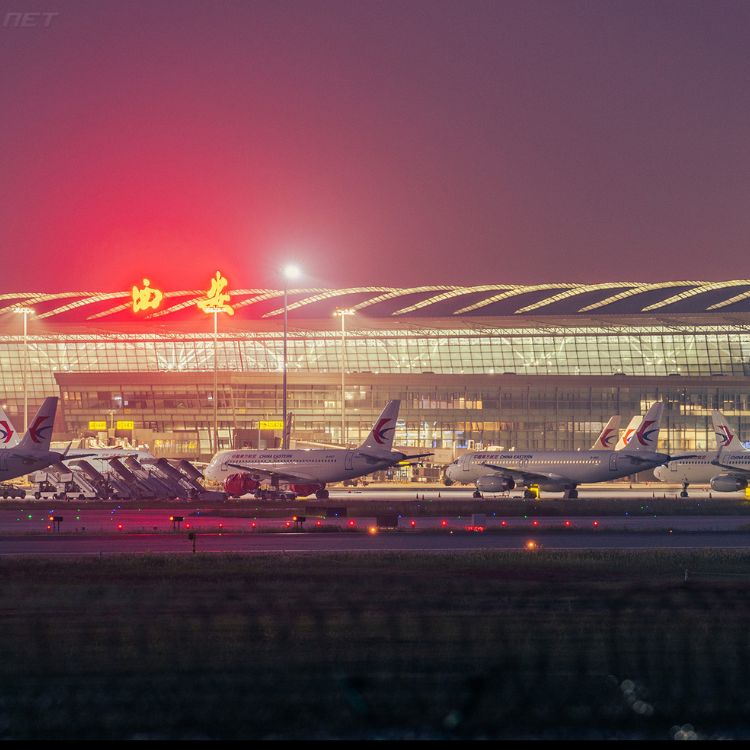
(608, 436)
(381, 436)
(647, 435)
(37, 438)
(726, 438)
(8, 434)
(629, 432)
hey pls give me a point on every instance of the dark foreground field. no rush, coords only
(409, 645)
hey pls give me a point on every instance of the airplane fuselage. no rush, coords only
(698, 469)
(563, 468)
(99, 457)
(321, 466)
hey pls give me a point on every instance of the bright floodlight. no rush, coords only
(341, 311)
(291, 271)
(23, 310)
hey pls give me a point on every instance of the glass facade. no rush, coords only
(462, 385)
(448, 413)
(707, 350)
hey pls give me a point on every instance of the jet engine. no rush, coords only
(495, 484)
(236, 485)
(728, 483)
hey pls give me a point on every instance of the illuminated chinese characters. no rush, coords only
(146, 298)
(216, 300)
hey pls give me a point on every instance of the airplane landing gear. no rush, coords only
(571, 494)
(684, 492)
(528, 494)
(477, 495)
(321, 494)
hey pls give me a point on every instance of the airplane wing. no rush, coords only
(272, 474)
(527, 476)
(391, 456)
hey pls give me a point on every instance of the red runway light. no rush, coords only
(567, 523)
(503, 523)
(535, 523)
(413, 524)
(352, 522)
(596, 523)
(253, 524)
(119, 526)
(443, 523)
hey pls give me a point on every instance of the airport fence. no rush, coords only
(473, 660)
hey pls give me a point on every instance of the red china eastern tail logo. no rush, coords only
(608, 436)
(380, 430)
(725, 436)
(628, 435)
(38, 430)
(6, 431)
(644, 434)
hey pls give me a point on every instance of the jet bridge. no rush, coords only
(159, 485)
(124, 479)
(111, 484)
(60, 481)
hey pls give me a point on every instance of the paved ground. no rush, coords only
(82, 520)
(355, 542)
(31, 528)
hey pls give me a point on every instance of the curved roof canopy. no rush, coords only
(409, 302)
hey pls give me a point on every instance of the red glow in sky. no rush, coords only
(374, 142)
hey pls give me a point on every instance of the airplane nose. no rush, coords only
(447, 481)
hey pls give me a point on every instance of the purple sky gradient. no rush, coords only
(376, 143)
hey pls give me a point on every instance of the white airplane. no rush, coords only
(726, 469)
(97, 457)
(608, 436)
(8, 434)
(32, 452)
(629, 430)
(306, 471)
(560, 471)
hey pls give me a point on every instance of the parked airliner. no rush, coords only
(32, 452)
(306, 471)
(97, 457)
(560, 471)
(628, 434)
(727, 469)
(608, 436)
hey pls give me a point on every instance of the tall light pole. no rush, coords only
(342, 312)
(290, 273)
(216, 311)
(25, 311)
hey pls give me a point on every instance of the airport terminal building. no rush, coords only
(531, 367)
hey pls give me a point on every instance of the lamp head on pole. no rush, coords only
(20, 309)
(291, 272)
(342, 311)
